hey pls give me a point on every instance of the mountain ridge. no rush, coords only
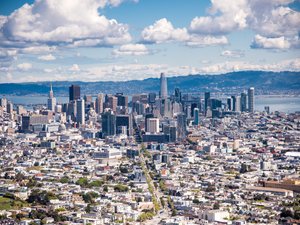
(233, 81)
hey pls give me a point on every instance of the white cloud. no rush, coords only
(162, 31)
(24, 66)
(131, 49)
(233, 53)
(74, 68)
(55, 21)
(205, 40)
(230, 16)
(38, 49)
(219, 68)
(48, 57)
(272, 19)
(270, 43)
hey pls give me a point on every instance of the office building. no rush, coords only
(74, 92)
(229, 104)
(236, 103)
(177, 95)
(112, 103)
(243, 102)
(251, 99)
(181, 126)
(163, 86)
(124, 121)
(10, 107)
(3, 103)
(108, 123)
(80, 111)
(152, 125)
(206, 98)
(151, 98)
(122, 100)
(196, 116)
(99, 104)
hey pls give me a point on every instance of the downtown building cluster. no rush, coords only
(150, 158)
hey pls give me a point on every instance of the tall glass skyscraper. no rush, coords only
(251, 99)
(74, 92)
(163, 86)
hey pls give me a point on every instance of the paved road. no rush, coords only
(164, 211)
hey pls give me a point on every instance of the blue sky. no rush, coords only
(101, 40)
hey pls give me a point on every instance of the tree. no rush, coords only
(89, 197)
(121, 188)
(216, 205)
(41, 197)
(82, 181)
(64, 180)
(286, 213)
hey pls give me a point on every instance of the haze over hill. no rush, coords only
(264, 82)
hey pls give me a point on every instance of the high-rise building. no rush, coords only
(74, 92)
(196, 116)
(3, 103)
(88, 98)
(51, 100)
(243, 102)
(251, 99)
(112, 103)
(163, 86)
(177, 95)
(151, 98)
(108, 123)
(206, 98)
(153, 125)
(229, 103)
(236, 106)
(122, 100)
(99, 103)
(10, 107)
(181, 126)
(148, 115)
(124, 121)
(80, 111)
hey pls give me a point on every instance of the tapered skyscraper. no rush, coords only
(163, 86)
(51, 100)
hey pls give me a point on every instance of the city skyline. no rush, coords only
(110, 40)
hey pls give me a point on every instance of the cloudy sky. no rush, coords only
(101, 40)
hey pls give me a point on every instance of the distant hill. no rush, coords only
(264, 82)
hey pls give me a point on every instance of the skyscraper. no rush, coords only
(251, 99)
(181, 126)
(196, 116)
(99, 103)
(153, 125)
(206, 97)
(51, 100)
(113, 102)
(243, 102)
(80, 111)
(124, 121)
(177, 95)
(108, 123)
(74, 92)
(163, 86)
(229, 103)
(151, 98)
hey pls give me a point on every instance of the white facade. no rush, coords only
(153, 125)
